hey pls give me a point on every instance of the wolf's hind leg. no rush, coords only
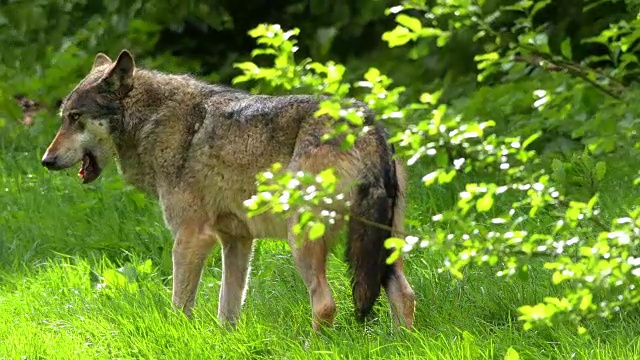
(236, 258)
(401, 296)
(311, 257)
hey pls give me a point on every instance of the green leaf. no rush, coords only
(431, 32)
(398, 36)
(247, 66)
(442, 159)
(491, 56)
(145, 267)
(592, 202)
(511, 354)
(485, 203)
(519, 6)
(393, 257)
(557, 278)
(539, 5)
(531, 139)
(600, 170)
(114, 278)
(410, 22)
(240, 79)
(372, 75)
(565, 48)
(305, 218)
(348, 142)
(258, 31)
(316, 231)
(394, 243)
(430, 98)
(446, 177)
(542, 41)
(586, 301)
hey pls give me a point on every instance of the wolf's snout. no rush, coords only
(50, 162)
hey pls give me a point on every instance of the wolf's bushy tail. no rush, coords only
(378, 199)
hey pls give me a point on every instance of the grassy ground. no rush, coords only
(58, 239)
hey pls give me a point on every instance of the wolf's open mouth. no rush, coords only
(90, 169)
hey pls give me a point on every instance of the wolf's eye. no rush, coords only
(74, 117)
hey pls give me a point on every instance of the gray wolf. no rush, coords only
(198, 147)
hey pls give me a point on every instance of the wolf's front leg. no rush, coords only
(236, 258)
(194, 238)
(193, 243)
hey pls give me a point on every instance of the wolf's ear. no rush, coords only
(101, 59)
(119, 78)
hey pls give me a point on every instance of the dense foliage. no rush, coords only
(496, 220)
(518, 108)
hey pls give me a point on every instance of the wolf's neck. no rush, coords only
(152, 128)
(150, 109)
(161, 114)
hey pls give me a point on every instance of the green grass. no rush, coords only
(57, 238)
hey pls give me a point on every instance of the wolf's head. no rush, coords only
(89, 116)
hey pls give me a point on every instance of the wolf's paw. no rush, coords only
(324, 314)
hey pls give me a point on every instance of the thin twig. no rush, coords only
(388, 228)
(554, 65)
(380, 226)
